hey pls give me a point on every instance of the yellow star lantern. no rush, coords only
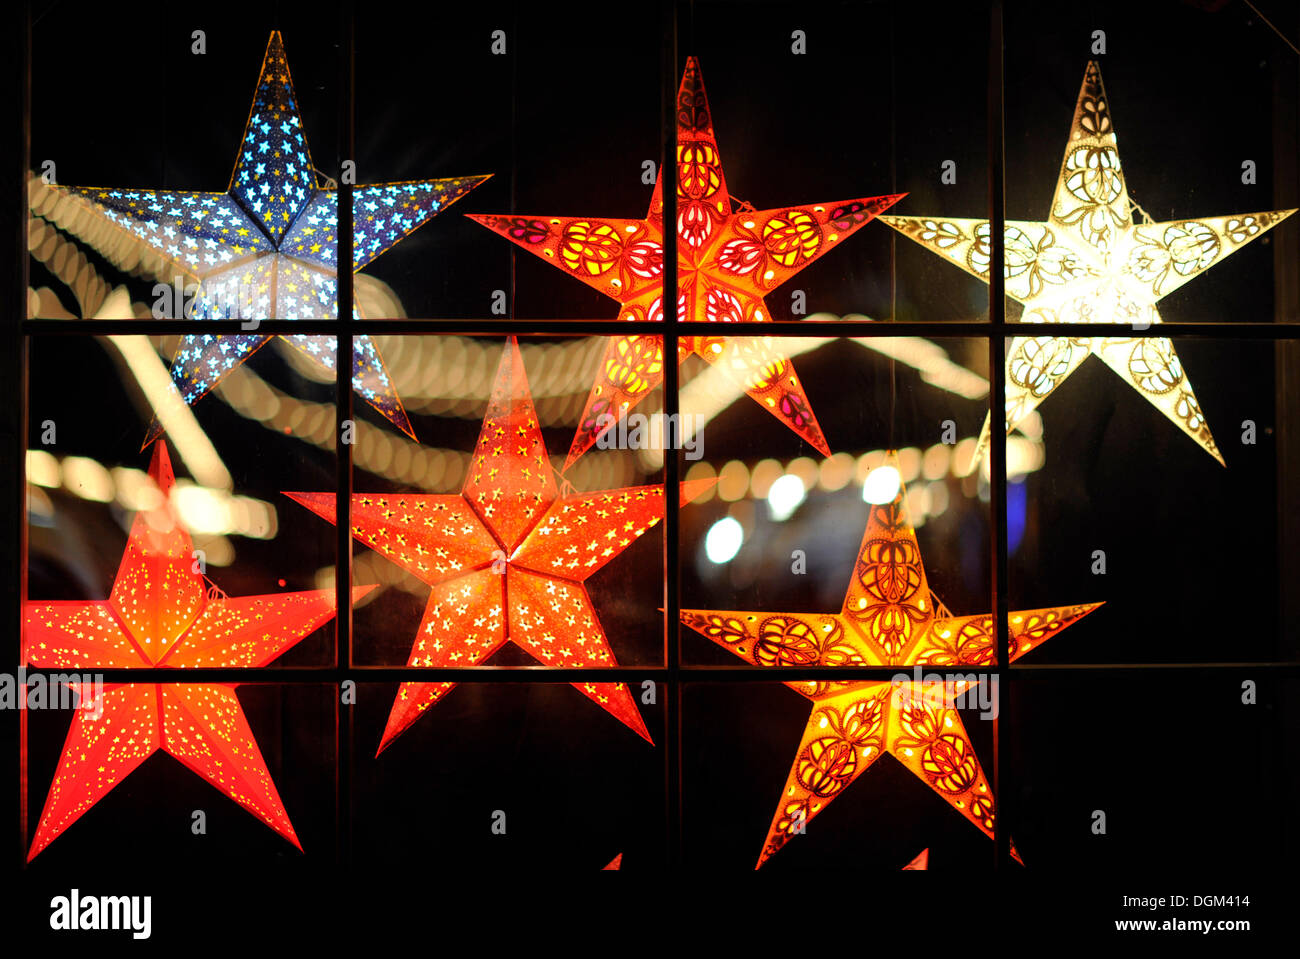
(889, 618)
(729, 256)
(1090, 263)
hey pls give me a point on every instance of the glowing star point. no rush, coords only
(889, 617)
(729, 257)
(163, 613)
(920, 862)
(1090, 262)
(507, 558)
(267, 248)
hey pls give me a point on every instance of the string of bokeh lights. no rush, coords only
(450, 376)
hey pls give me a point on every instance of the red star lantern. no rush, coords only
(889, 618)
(729, 256)
(508, 557)
(163, 613)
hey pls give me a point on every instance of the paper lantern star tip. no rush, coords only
(391, 732)
(637, 725)
(693, 489)
(160, 467)
(322, 504)
(921, 862)
(405, 427)
(155, 430)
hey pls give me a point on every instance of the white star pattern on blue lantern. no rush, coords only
(267, 248)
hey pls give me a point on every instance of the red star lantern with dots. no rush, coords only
(889, 618)
(163, 613)
(508, 557)
(729, 256)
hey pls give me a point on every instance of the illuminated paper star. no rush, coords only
(267, 248)
(920, 862)
(508, 557)
(728, 257)
(889, 618)
(1090, 263)
(163, 613)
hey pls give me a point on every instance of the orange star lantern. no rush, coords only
(889, 618)
(163, 613)
(507, 558)
(728, 257)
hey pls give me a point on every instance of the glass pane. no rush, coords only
(866, 811)
(1074, 760)
(430, 126)
(1130, 507)
(489, 491)
(90, 483)
(177, 810)
(784, 524)
(543, 752)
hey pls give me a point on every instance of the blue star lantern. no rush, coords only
(267, 248)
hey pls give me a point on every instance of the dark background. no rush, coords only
(1201, 565)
